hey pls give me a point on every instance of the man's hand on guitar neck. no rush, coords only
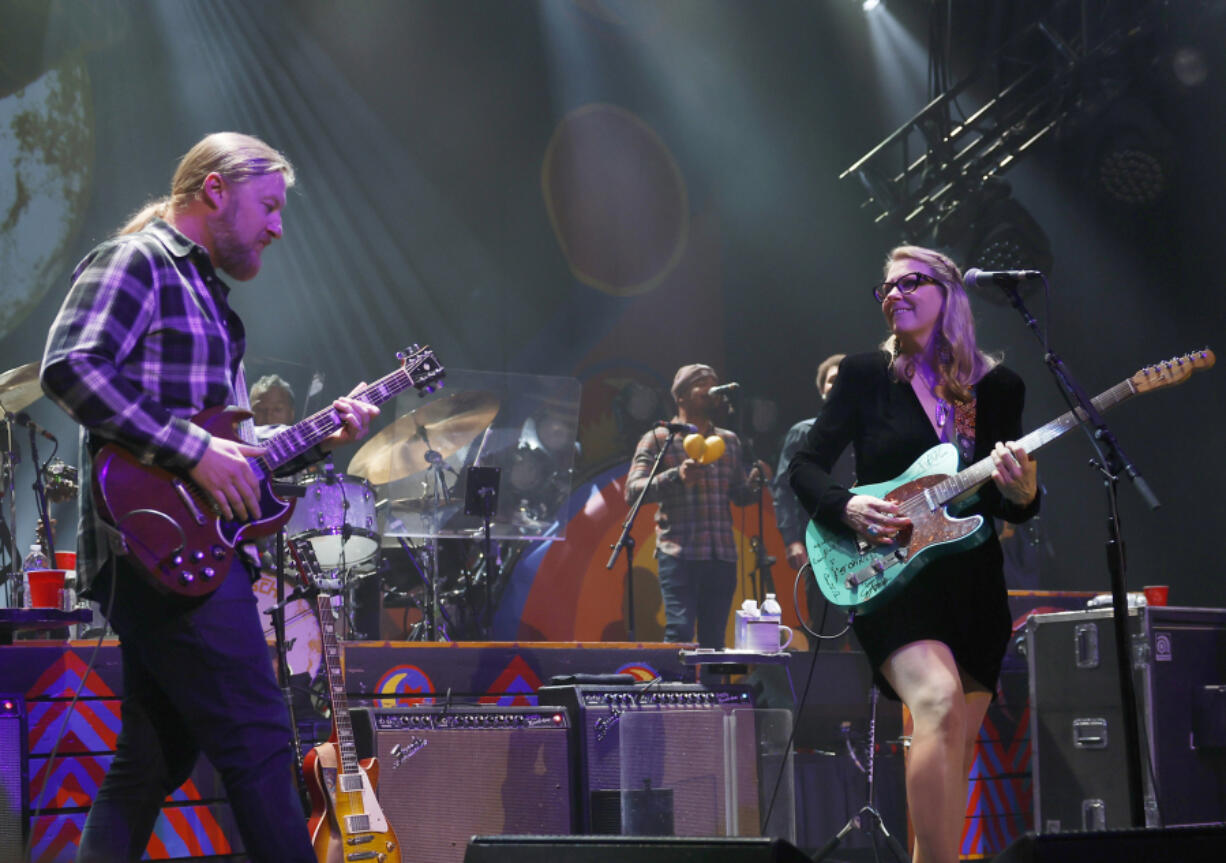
(355, 417)
(226, 475)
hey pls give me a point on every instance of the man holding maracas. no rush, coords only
(699, 476)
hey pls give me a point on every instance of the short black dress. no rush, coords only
(960, 599)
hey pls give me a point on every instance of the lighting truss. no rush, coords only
(1073, 59)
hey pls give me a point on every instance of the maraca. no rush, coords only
(704, 450)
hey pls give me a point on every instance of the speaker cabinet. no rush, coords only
(681, 740)
(1202, 844)
(13, 779)
(629, 849)
(447, 774)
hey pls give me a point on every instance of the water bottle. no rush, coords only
(773, 628)
(34, 560)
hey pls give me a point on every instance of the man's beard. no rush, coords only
(233, 256)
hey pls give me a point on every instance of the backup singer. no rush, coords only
(146, 338)
(695, 550)
(938, 645)
(789, 517)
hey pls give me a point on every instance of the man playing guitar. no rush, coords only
(145, 340)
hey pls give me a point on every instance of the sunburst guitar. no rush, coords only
(863, 577)
(347, 824)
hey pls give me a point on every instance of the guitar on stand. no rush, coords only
(346, 821)
(854, 575)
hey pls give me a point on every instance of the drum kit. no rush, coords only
(451, 580)
(448, 576)
(56, 481)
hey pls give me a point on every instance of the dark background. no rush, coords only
(698, 215)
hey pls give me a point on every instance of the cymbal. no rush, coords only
(445, 425)
(19, 387)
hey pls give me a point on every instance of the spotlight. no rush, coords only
(870, 5)
(1130, 154)
(992, 231)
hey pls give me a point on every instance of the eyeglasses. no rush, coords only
(907, 284)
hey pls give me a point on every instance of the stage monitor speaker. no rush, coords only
(630, 849)
(13, 778)
(448, 774)
(1201, 844)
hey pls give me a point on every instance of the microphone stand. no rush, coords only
(40, 498)
(762, 580)
(1111, 462)
(626, 541)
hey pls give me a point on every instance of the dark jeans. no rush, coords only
(696, 591)
(197, 677)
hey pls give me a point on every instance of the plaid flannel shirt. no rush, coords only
(693, 522)
(145, 340)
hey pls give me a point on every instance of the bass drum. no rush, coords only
(337, 514)
(304, 642)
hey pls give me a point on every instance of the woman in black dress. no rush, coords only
(939, 643)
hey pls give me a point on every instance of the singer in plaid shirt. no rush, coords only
(695, 550)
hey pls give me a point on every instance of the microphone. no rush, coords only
(724, 389)
(23, 419)
(677, 428)
(977, 278)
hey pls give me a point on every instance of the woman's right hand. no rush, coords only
(874, 519)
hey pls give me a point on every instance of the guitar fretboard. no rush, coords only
(981, 471)
(336, 685)
(299, 438)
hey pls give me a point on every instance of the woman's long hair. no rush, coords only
(234, 156)
(959, 361)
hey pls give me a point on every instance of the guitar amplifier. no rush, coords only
(1076, 722)
(13, 785)
(679, 740)
(447, 774)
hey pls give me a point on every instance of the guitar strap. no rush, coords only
(965, 414)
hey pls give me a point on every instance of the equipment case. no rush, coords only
(1078, 762)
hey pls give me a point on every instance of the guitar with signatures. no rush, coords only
(854, 575)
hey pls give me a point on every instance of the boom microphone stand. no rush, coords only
(762, 580)
(1111, 462)
(626, 541)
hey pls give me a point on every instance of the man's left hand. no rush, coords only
(355, 417)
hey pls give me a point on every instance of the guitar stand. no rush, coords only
(277, 613)
(868, 818)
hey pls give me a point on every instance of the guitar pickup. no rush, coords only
(349, 782)
(287, 489)
(360, 840)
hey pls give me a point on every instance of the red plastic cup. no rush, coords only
(1155, 594)
(46, 587)
(66, 559)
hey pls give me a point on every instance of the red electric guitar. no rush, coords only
(174, 529)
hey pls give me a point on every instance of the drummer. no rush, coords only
(272, 403)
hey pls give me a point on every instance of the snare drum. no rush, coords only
(337, 514)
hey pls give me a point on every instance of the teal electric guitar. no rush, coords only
(853, 574)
